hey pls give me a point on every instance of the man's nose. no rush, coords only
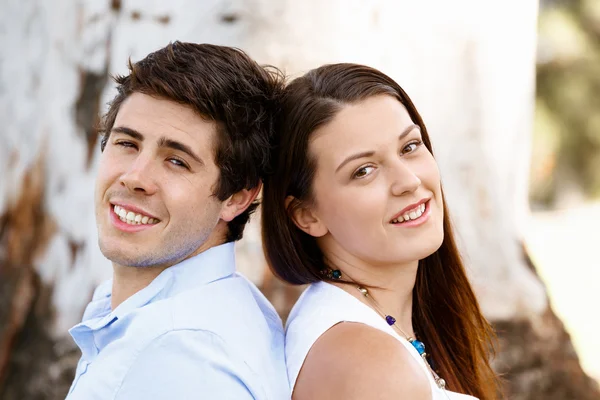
(141, 176)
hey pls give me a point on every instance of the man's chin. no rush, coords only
(117, 256)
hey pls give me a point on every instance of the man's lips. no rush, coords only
(132, 208)
(130, 225)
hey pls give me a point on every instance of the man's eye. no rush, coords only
(124, 143)
(178, 162)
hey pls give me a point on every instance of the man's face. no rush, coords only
(154, 191)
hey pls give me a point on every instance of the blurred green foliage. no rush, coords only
(566, 147)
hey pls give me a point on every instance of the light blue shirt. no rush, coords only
(198, 331)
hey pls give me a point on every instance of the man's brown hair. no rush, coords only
(223, 85)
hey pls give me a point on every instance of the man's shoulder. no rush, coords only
(223, 320)
(232, 309)
(223, 305)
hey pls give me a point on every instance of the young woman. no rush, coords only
(354, 207)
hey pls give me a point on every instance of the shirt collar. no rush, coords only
(211, 265)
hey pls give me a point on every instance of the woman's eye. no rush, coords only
(411, 147)
(362, 172)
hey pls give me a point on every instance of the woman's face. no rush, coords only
(377, 193)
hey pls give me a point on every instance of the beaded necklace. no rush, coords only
(391, 321)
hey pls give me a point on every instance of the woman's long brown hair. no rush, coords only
(446, 314)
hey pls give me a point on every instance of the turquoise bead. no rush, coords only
(417, 344)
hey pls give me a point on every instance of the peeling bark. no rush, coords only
(16, 296)
(468, 75)
(40, 367)
(538, 361)
(26, 348)
(88, 108)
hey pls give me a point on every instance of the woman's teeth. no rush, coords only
(132, 218)
(410, 215)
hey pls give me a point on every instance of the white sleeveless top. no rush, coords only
(322, 306)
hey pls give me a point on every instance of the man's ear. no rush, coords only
(305, 218)
(239, 202)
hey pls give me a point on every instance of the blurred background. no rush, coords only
(564, 229)
(510, 93)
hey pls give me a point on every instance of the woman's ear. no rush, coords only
(305, 218)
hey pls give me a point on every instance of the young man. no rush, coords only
(184, 147)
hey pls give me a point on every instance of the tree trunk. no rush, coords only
(470, 76)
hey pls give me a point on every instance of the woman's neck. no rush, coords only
(389, 285)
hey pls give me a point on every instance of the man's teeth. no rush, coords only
(133, 218)
(410, 215)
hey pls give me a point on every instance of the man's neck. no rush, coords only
(127, 281)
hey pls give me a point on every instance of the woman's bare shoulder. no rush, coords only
(356, 361)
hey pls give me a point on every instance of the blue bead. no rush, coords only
(417, 344)
(390, 320)
(336, 274)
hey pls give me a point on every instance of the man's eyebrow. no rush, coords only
(162, 142)
(129, 132)
(405, 132)
(175, 145)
